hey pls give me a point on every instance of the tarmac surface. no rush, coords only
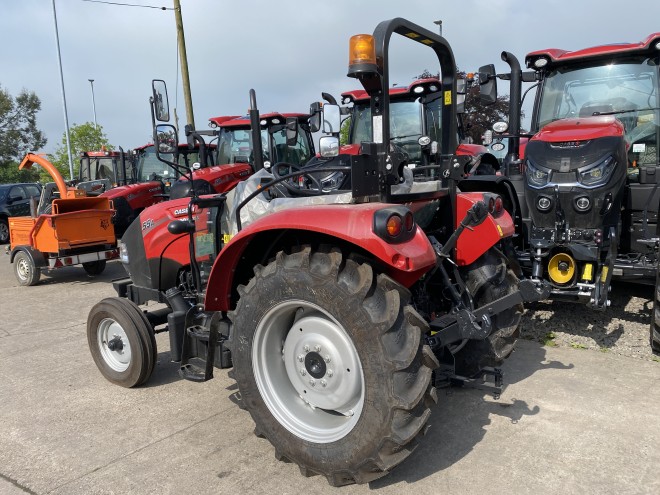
(571, 420)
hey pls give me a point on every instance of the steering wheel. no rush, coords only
(289, 184)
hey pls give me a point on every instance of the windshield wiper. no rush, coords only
(615, 112)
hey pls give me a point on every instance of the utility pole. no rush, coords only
(66, 117)
(185, 79)
(91, 81)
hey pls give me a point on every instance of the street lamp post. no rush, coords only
(66, 117)
(91, 81)
(439, 24)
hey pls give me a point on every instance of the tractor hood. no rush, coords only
(570, 144)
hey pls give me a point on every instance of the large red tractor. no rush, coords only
(339, 313)
(589, 172)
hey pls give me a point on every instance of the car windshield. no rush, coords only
(405, 126)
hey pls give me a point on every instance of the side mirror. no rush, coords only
(166, 138)
(315, 117)
(331, 118)
(487, 84)
(160, 101)
(291, 131)
(329, 146)
(460, 95)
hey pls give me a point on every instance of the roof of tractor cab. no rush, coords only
(403, 92)
(182, 146)
(234, 121)
(556, 55)
(100, 154)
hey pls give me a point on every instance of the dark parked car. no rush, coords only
(15, 202)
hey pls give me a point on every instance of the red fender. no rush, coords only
(473, 243)
(405, 262)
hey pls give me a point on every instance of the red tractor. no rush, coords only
(339, 313)
(588, 176)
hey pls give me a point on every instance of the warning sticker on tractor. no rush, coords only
(501, 232)
(639, 147)
(226, 238)
(448, 97)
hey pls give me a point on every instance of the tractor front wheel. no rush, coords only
(331, 365)
(488, 279)
(655, 316)
(121, 341)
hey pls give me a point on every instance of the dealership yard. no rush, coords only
(579, 415)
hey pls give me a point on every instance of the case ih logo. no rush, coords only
(181, 211)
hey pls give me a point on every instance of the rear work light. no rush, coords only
(394, 224)
(495, 204)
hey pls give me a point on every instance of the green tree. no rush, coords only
(478, 117)
(18, 133)
(83, 137)
(344, 131)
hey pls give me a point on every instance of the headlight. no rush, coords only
(599, 173)
(535, 176)
(123, 252)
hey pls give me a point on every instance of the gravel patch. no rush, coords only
(621, 329)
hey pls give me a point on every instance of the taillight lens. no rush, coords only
(491, 205)
(394, 225)
(499, 205)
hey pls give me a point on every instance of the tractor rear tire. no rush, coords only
(487, 279)
(25, 270)
(94, 268)
(331, 364)
(122, 342)
(655, 316)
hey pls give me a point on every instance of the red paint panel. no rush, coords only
(473, 243)
(352, 223)
(581, 129)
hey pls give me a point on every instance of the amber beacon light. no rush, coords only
(361, 54)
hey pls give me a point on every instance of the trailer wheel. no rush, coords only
(94, 268)
(4, 231)
(655, 317)
(121, 341)
(25, 270)
(487, 279)
(331, 365)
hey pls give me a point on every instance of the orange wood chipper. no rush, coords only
(66, 228)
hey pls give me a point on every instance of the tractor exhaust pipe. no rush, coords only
(515, 89)
(255, 126)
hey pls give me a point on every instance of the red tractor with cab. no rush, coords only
(339, 312)
(589, 175)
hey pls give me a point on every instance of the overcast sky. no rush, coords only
(289, 51)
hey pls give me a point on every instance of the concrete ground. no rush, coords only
(571, 420)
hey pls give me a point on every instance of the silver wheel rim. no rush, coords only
(117, 358)
(23, 269)
(308, 371)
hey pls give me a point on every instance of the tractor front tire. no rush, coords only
(94, 268)
(331, 364)
(655, 316)
(25, 270)
(121, 341)
(488, 279)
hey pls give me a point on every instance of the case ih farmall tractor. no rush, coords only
(340, 313)
(590, 173)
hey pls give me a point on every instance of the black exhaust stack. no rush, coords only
(515, 89)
